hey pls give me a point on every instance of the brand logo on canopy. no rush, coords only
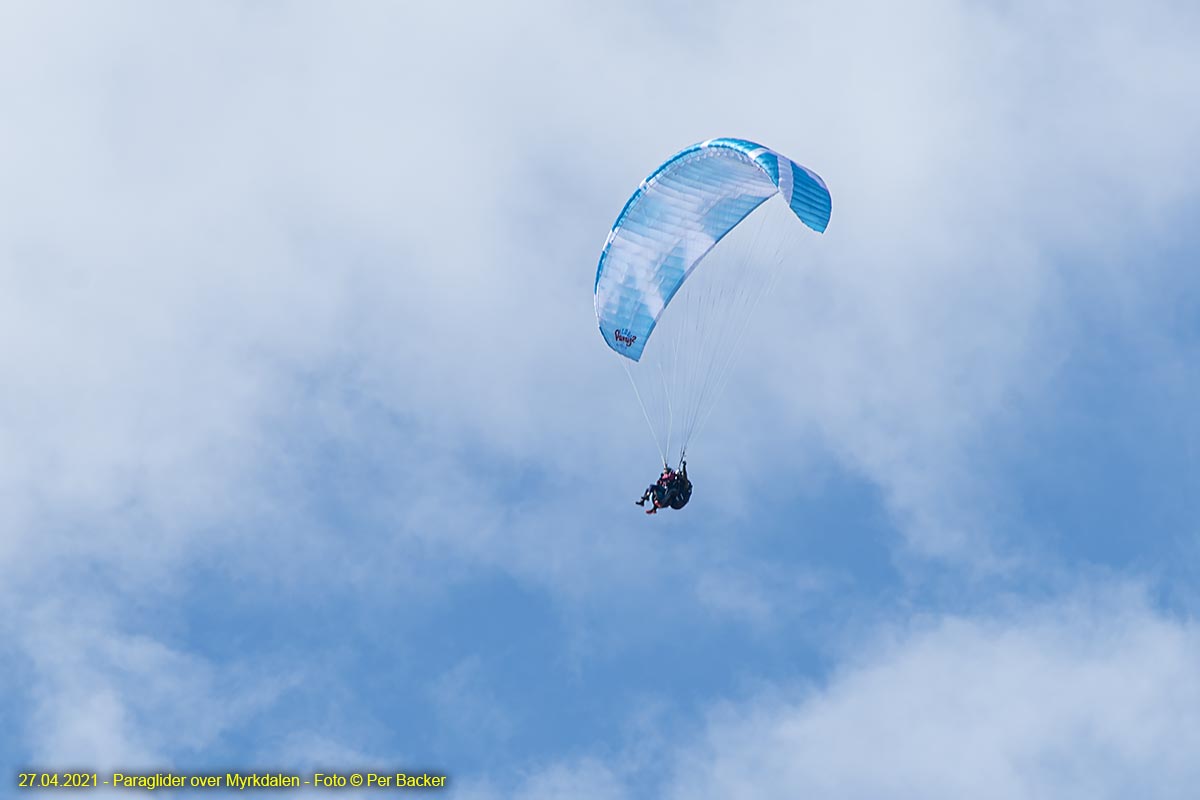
(624, 336)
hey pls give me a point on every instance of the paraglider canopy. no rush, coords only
(677, 215)
(675, 219)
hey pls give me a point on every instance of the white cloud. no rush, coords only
(114, 700)
(418, 198)
(229, 228)
(1092, 696)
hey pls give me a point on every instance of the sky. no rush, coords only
(311, 455)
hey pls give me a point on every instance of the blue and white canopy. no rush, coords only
(677, 215)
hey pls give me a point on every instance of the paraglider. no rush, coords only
(671, 490)
(674, 220)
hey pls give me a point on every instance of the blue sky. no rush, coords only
(311, 455)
